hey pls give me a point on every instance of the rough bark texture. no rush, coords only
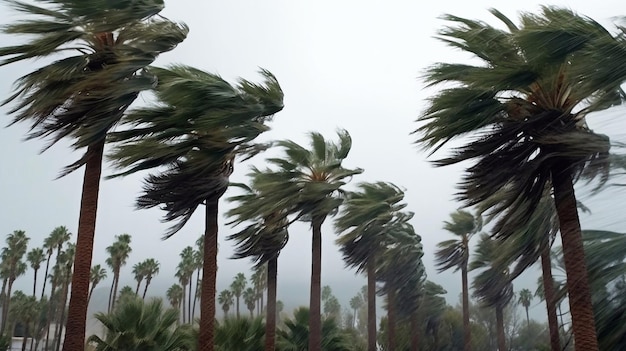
(579, 293)
(415, 336)
(315, 318)
(77, 311)
(549, 295)
(467, 333)
(391, 320)
(270, 322)
(500, 327)
(371, 304)
(209, 274)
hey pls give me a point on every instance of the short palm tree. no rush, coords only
(12, 255)
(139, 273)
(238, 286)
(295, 336)
(492, 285)
(364, 223)
(199, 126)
(225, 299)
(175, 295)
(525, 298)
(83, 93)
(25, 311)
(242, 334)
(118, 254)
(98, 274)
(309, 183)
(139, 325)
(526, 107)
(455, 254)
(262, 240)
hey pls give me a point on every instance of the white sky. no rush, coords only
(342, 64)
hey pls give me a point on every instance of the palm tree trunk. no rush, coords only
(195, 295)
(62, 318)
(7, 306)
(145, 289)
(45, 277)
(527, 318)
(270, 318)
(93, 287)
(35, 284)
(4, 302)
(111, 295)
(184, 306)
(189, 299)
(238, 316)
(500, 328)
(391, 319)
(371, 303)
(549, 295)
(26, 330)
(315, 298)
(51, 311)
(579, 293)
(116, 279)
(467, 333)
(137, 288)
(415, 338)
(209, 273)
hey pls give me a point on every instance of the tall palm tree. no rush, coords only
(356, 303)
(262, 240)
(309, 183)
(364, 223)
(527, 104)
(80, 97)
(98, 274)
(151, 267)
(196, 145)
(25, 311)
(455, 254)
(492, 286)
(69, 254)
(118, 254)
(237, 287)
(525, 298)
(55, 241)
(35, 258)
(139, 273)
(12, 255)
(183, 280)
(197, 256)
(225, 299)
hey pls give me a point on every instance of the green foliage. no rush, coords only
(245, 334)
(295, 335)
(139, 325)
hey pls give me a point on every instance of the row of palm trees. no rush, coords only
(528, 103)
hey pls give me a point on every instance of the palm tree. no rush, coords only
(309, 183)
(225, 299)
(35, 258)
(118, 254)
(196, 145)
(197, 256)
(139, 325)
(25, 311)
(525, 297)
(455, 254)
(365, 220)
(55, 241)
(151, 267)
(175, 294)
(295, 336)
(245, 334)
(356, 303)
(12, 254)
(492, 286)
(184, 273)
(528, 103)
(249, 298)
(139, 273)
(262, 240)
(82, 97)
(98, 274)
(237, 287)
(68, 259)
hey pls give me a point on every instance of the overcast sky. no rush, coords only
(342, 64)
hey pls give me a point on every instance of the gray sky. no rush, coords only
(342, 64)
